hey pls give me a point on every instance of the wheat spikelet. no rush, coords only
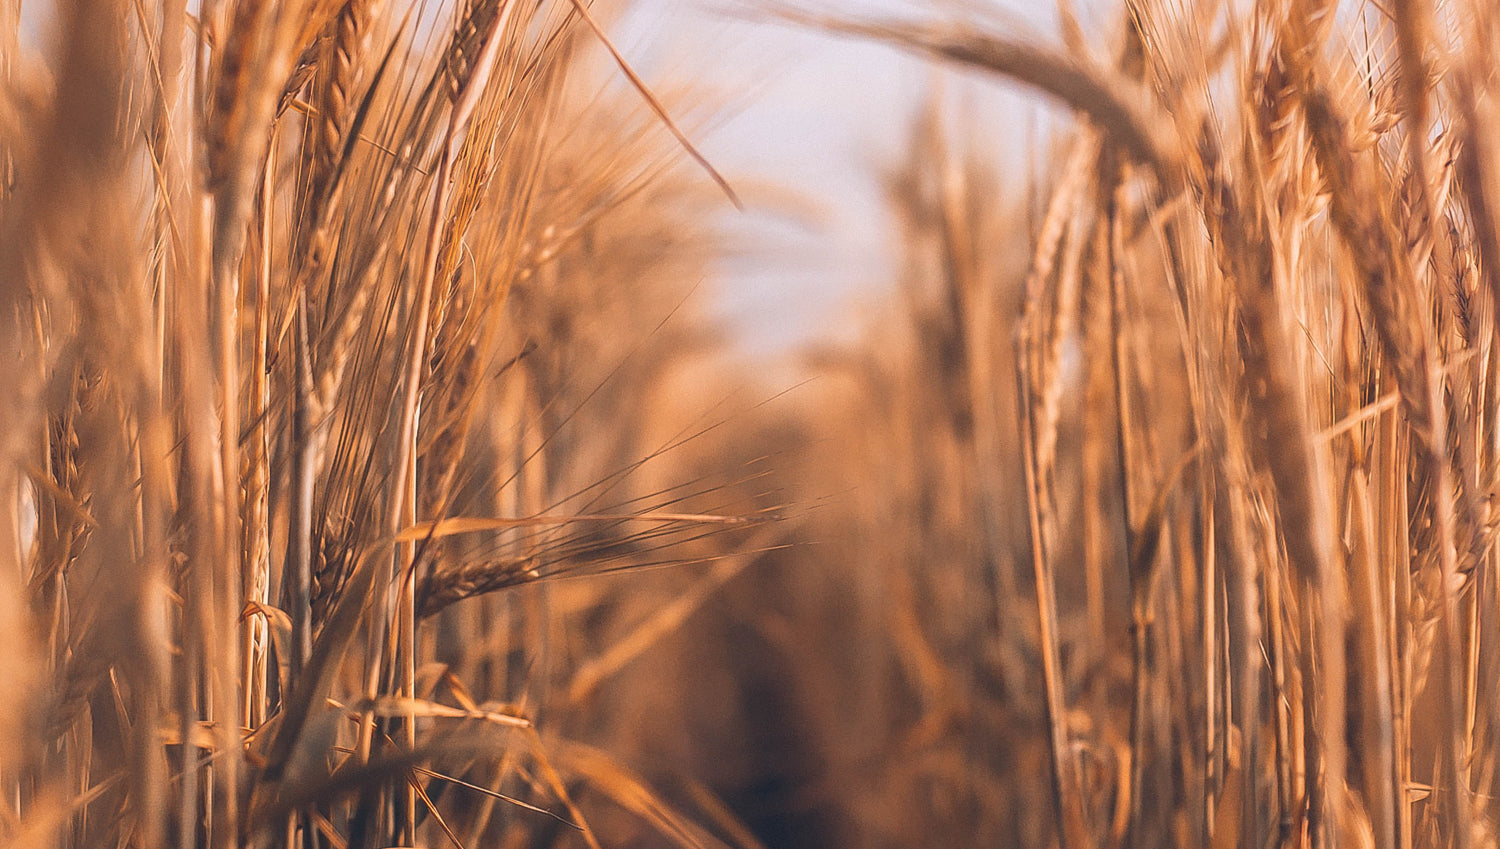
(445, 585)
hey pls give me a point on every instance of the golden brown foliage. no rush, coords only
(1159, 512)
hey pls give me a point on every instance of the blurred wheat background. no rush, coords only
(376, 472)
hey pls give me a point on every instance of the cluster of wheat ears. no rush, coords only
(338, 336)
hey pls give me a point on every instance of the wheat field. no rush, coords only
(375, 472)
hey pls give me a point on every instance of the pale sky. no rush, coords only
(825, 117)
